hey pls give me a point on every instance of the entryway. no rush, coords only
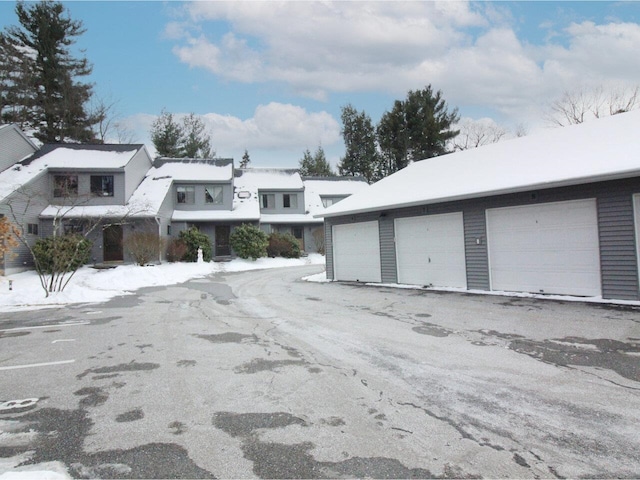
(112, 244)
(222, 248)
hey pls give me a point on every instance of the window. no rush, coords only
(102, 185)
(73, 228)
(298, 232)
(32, 228)
(169, 230)
(327, 202)
(213, 194)
(186, 194)
(268, 200)
(290, 201)
(65, 185)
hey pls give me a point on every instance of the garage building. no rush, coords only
(555, 213)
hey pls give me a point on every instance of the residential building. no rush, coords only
(109, 192)
(92, 189)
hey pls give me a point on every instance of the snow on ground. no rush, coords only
(90, 285)
(322, 277)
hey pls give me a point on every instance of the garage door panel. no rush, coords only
(549, 248)
(356, 252)
(430, 250)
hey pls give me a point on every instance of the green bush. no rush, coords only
(61, 254)
(283, 245)
(194, 239)
(248, 241)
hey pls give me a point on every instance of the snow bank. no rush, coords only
(91, 286)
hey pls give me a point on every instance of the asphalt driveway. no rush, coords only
(260, 374)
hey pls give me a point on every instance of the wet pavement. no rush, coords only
(261, 375)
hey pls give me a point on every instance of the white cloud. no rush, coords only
(274, 130)
(469, 50)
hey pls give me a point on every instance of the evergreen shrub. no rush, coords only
(194, 239)
(60, 254)
(248, 241)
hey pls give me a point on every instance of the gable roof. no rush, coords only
(63, 156)
(85, 157)
(599, 150)
(12, 126)
(315, 188)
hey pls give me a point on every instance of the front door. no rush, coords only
(298, 232)
(222, 247)
(112, 243)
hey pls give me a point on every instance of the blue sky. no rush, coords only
(271, 77)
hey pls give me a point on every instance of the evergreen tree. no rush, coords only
(166, 135)
(195, 141)
(39, 79)
(187, 139)
(315, 165)
(361, 155)
(244, 163)
(417, 128)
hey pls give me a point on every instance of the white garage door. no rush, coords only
(548, 248)
(430, 250)
(356, 252)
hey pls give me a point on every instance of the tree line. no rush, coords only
(43, 89)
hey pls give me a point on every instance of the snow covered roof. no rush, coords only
(136, 210)
(268, 179)
(315, 188)
(599, 150)
(195, 170)
(84, 157)
(288, 218)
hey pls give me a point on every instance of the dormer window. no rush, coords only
(289, 201)
(65, 186)
(186, 194)
(102, 185)
(268, 200)
(213, 194)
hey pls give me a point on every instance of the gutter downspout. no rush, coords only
(159, 238)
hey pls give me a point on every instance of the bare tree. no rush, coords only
(67, 248)
(109, 127)
(475, 133)
(580, 105)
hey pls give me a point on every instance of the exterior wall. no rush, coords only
(84, 196)
(310, 243)
(279, 205)
(618, 248)
(135, 171)
(13, 146)
(22, 208)
(200, 203)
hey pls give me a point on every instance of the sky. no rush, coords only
(272, 77)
